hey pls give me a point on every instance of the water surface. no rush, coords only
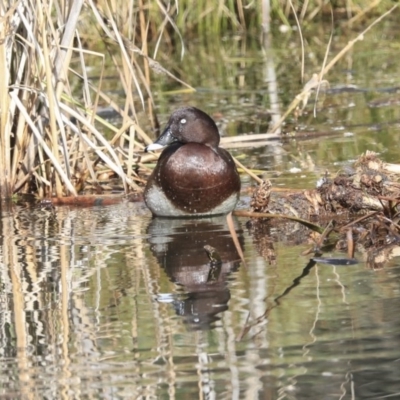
(106, 302)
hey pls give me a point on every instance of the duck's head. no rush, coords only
(188, 125)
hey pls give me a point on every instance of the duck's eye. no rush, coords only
(183, 121)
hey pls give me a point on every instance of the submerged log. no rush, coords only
(87, 200)
(93, 200)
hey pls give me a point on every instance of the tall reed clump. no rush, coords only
(41, 149)
(49, 143)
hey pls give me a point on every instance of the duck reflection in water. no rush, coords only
(178, 245)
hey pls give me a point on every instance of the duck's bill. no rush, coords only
(154, 147)
(165, 139)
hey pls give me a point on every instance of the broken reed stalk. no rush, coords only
(317, 79)
(248, 172)
(143, 34)
(235, 238)
(5, 117)
(362, 12)
(51, 98)
(301, 39)
(252, 214)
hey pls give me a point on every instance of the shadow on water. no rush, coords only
(178, 245)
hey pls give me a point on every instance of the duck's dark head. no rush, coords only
(188, 125)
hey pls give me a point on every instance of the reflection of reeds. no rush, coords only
(12, 276)
(60, 289)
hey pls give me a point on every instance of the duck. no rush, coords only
(194, 177)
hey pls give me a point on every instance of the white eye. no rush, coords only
(183, 121)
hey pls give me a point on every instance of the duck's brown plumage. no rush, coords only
(193, 175)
